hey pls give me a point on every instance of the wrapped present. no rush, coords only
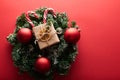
(45, 34)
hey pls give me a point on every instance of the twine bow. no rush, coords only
(44, 34)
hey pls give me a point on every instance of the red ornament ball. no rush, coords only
(24, 35)
(42, 65)
(72, 35)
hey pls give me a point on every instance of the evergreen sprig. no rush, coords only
(61, 55)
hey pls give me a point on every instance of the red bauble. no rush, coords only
(42, 65)
(24, 35)
(72, 35)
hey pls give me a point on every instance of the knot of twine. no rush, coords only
(44, 34)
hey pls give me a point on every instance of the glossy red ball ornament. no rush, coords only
(24, 35)
(72, 35)
(42, 65)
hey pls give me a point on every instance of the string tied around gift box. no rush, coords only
(44, 31)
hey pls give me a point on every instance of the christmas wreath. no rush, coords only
(43, 43)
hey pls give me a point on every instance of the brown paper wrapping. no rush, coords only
(45, 37)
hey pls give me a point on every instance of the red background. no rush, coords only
(99, 47)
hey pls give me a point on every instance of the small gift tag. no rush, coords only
(45, 34)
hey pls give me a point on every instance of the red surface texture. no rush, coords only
(99, 46)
